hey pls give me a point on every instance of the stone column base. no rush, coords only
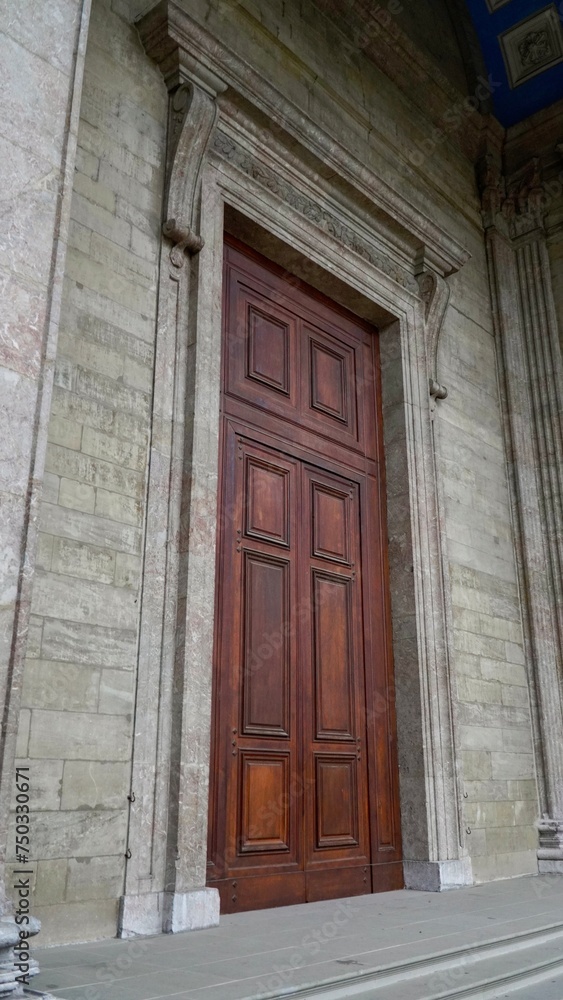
(550, 851)
(9, 971)
(436, 876)
(190, 911)
(552, 866)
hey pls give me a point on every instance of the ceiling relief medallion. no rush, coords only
(532, 46)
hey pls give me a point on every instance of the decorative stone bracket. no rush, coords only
(192, 117)
(435, 292)
(192, 114)
(184, 240)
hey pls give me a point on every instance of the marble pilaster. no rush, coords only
(526, 326)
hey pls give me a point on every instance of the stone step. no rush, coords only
(503, 967)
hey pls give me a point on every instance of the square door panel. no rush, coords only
(265, 802)
(267, 646)
(337, 801)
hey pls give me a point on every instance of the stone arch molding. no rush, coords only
(216, 156)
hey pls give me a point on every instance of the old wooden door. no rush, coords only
(303, 775)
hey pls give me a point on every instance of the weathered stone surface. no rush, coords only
(79, 684)
(50, 881)
(76, 922)
(79, 834)
(85, 643)
(94, 878)
(99, 604)
(94, 785)
(79, 736)
(96, 531)
(45, 783)
(79, 559)
(117, 689)
(65, 687)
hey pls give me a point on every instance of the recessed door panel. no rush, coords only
(267, 500)
(330, 528)
(337, 801)
(264, 819)
(268, 350)
(266, 674)
(333, 657)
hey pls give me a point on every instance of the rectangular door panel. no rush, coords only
(336, 783)
(333, 657)
(262, 343)
(266, 675)
(266, 500)
(329, 398)
(331, 523)
(265, 802)
(268, 350)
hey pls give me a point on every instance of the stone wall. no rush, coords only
(78, 695)
(78, 692)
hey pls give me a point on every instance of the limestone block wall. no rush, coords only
(78, 691)
(76, 722)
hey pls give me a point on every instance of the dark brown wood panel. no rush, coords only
(264, 783)
(334, 667)
(337, 802)
(266, 679)
(304, 800)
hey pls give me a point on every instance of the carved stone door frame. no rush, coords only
(220, 157)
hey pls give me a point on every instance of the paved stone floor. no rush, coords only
(264, 952)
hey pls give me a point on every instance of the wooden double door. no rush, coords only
(303, 802)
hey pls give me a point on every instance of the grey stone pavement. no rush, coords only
(274, 952)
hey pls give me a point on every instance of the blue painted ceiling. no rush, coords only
(512, 104)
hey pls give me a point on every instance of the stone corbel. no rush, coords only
(435, 293)
(192, 114)
(192, 117)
